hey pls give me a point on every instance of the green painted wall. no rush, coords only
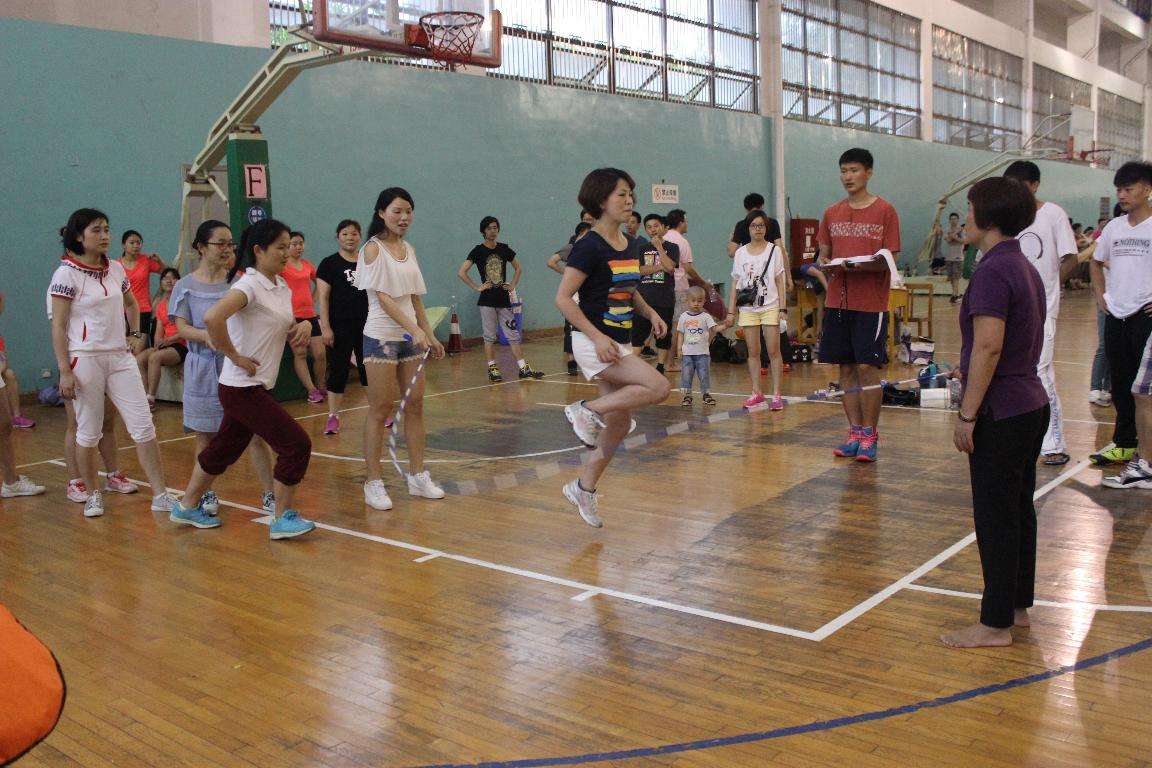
(106, 119)
(913, 175)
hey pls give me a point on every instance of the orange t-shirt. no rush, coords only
(166, 321)
(859, 232)
(300, 281)
(140, 276)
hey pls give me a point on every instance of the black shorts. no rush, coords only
(642, 328)
(854, 337)
(315, 323)
(182, 350)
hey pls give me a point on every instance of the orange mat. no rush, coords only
(31, 689)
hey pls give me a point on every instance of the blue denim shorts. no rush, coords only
(376, 351)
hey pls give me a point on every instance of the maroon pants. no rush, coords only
(252, 411)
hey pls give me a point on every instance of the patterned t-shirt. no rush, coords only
(606, 294)
(96, 322)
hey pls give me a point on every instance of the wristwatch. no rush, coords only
(960, 415)
(136, 334)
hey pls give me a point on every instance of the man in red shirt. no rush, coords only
(856, 308)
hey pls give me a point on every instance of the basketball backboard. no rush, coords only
(382, 25)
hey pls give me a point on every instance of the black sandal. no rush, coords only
(708, 399)
(1055, 459)
(687, 401)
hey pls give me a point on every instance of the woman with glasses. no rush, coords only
(191, 298)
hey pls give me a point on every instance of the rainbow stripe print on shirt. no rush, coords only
(625, 276)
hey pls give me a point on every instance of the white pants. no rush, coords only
(1054, 437)
(116, 375)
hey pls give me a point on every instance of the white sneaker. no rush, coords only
(94, 507)
(585, 502)
(77, 491)
(162, 502)
(25, 487)
(1105, 399)
(1094, 397)
(1137, 474)
(422, 485)
(376, 495)
(210, 503)
(268, 503)
(585, 423)
(116, 481)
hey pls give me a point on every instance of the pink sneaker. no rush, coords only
(332, 426)
(77, 491)
(315, 397)
(777, 404)
(118, 483)
(755, 400)
(22, 422)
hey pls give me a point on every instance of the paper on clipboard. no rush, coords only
(883, 253)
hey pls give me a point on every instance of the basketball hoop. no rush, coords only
(449, 36)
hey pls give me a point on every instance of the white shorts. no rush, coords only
(116, 375)
(585, 353)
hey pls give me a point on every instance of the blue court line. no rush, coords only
(813, 727)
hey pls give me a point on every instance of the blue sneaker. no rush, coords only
(850, 447)
(869, 437)
(290, 524)
(210, 503)
(193, 516)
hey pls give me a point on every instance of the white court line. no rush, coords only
(426, 558)
(585, 595)
(1046, 603)
(906, 581)
(586, 590)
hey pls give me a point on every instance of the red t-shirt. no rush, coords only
(859, 232)
(166, 321)
(300, 281)
(140, 276)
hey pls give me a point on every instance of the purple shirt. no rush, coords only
(1006, 286)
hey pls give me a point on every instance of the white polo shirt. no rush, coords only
(1128, 251)
(259, 330)
(96, 322)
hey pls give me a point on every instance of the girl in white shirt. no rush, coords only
(91, 300)
(758, 272)
(249, 325)
(395, 339)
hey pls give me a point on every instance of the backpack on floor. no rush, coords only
(738, 352)
(720, 349)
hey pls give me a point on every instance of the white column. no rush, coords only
(772, 94)
(926, 76)
(1027, 117)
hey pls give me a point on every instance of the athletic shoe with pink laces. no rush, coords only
(77, 491)
(777, 404)
(314, 396)
(22, 422)
(756, 399)
(119, 483)
(332, 426)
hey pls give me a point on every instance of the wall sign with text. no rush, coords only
(667, 194)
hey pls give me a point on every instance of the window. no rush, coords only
(1119, 127)
(976, 93)
(1055, 94)
(702, 52)
(851, 63)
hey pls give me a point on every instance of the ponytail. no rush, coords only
(261, 234)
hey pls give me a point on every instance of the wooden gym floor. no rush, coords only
(750, 601)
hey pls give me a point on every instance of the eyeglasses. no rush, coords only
(222, 243)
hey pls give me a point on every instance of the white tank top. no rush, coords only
(399, 279)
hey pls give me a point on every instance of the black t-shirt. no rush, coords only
(346, 302)
(493, 266)
(740, 234)
(658, 288)
(606, 294)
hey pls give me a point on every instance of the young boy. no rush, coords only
(695, 328)
(856, 310)
(491, 259)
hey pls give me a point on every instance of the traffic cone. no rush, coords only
(455, 344)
